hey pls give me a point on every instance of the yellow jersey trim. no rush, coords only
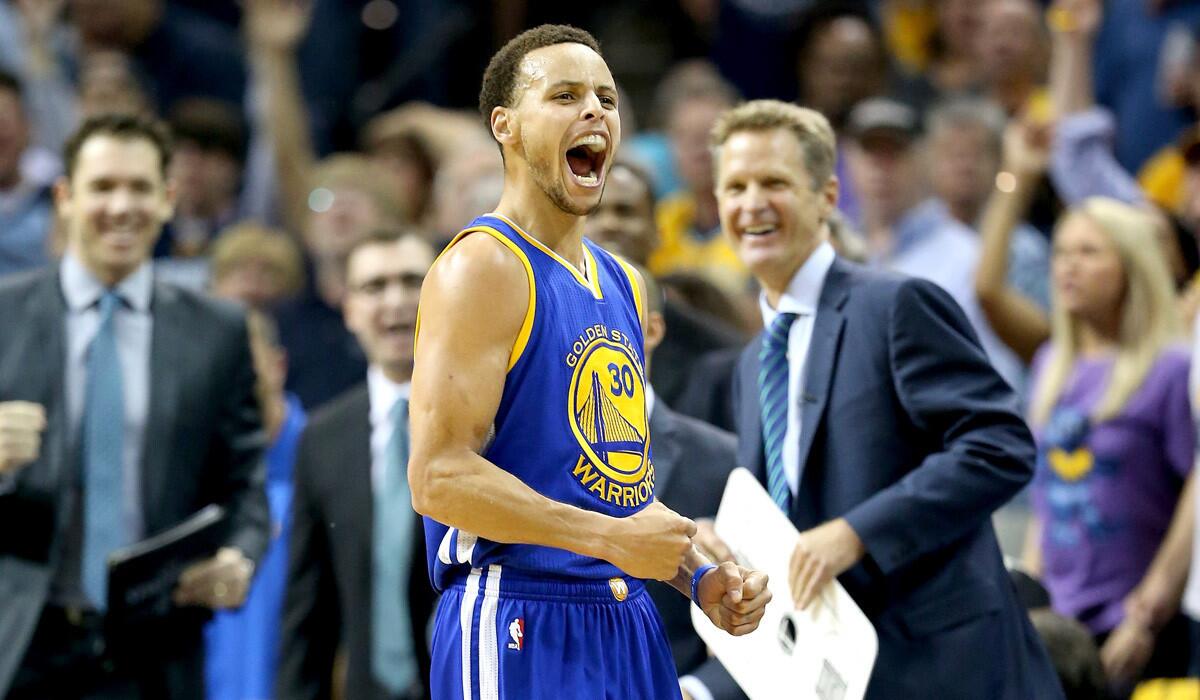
(636, 287)
(522, 340)
(590, 281)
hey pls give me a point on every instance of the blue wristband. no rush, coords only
(696, 580)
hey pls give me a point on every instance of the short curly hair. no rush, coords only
(501, 74)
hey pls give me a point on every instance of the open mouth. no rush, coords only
(585, 159)
(759, 231)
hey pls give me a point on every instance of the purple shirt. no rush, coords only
(1105, 493)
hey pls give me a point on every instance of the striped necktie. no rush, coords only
(773, 404)
(102, 451)
(393, 661)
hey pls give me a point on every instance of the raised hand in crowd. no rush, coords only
(1019, 322)
(276, 24)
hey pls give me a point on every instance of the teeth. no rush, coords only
(593, 142)
(763, 228)
(589, 179)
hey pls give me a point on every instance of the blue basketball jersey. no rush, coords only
(572, 421)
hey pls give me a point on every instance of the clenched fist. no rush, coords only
(651, 543)
(21, 427)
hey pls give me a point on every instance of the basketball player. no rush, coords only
(530, 455)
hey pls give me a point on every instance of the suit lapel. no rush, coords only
(822, 358)
(355, 453)
(666, 450)
(167, 336)
(49, 386)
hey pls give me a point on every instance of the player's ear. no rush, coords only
(503, 125)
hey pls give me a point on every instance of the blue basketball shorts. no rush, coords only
(500, 635)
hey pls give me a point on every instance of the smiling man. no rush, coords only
(530, 456)
(871, 414)
(126, 405)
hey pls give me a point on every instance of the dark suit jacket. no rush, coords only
(692, 461)
(330, 554)
(203, 444)
(690, 334)
(911, 436)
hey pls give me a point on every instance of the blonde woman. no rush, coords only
(1115, 441)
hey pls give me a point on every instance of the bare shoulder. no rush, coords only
(478, 282)
(478, 263)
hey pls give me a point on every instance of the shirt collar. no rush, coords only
(383, 393)
(803, 293)
(81, 289)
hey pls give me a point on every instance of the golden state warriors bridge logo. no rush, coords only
(607, 407)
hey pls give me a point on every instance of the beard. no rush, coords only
(554, 189)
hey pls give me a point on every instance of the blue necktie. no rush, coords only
(773, 404)
(392, 658)
(103, 455)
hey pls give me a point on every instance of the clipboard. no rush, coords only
(143, 575)
(823, 653)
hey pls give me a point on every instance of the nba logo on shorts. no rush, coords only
(516, 631)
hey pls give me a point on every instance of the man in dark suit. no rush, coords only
(347, 586)
(126, 405)
(871, 414)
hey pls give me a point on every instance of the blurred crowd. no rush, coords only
(1040, 162)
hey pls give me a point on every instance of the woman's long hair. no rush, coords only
(1149, 319)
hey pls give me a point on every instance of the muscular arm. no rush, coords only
(472, 306)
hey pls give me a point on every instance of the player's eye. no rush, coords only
(564, 96)
(608, 101)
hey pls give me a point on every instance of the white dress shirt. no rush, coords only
(801, 297)
(382, 395)
(133, 326)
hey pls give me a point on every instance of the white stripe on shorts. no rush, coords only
(466, 615)
(444, 547)
(489, 657)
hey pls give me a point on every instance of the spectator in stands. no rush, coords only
(26, 211)
(1116, 443)
(119, 424)
(349, 197)
(210, 150)
(1083, 163)
(469, 179)
(108, 82)
(965, 137)
(403, 151)
(624, 224)
(357, 568)
(242, 646)
(1012, 54)
(258, 266)
(954, 64)
(180, 52)
(33, 41)
(840, 61)
(687, 219)
(904, 235)
(1021, 325)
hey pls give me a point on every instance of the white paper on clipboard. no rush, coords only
(823, 653)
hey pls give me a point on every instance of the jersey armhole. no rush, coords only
(523, 335)
(631, 275)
